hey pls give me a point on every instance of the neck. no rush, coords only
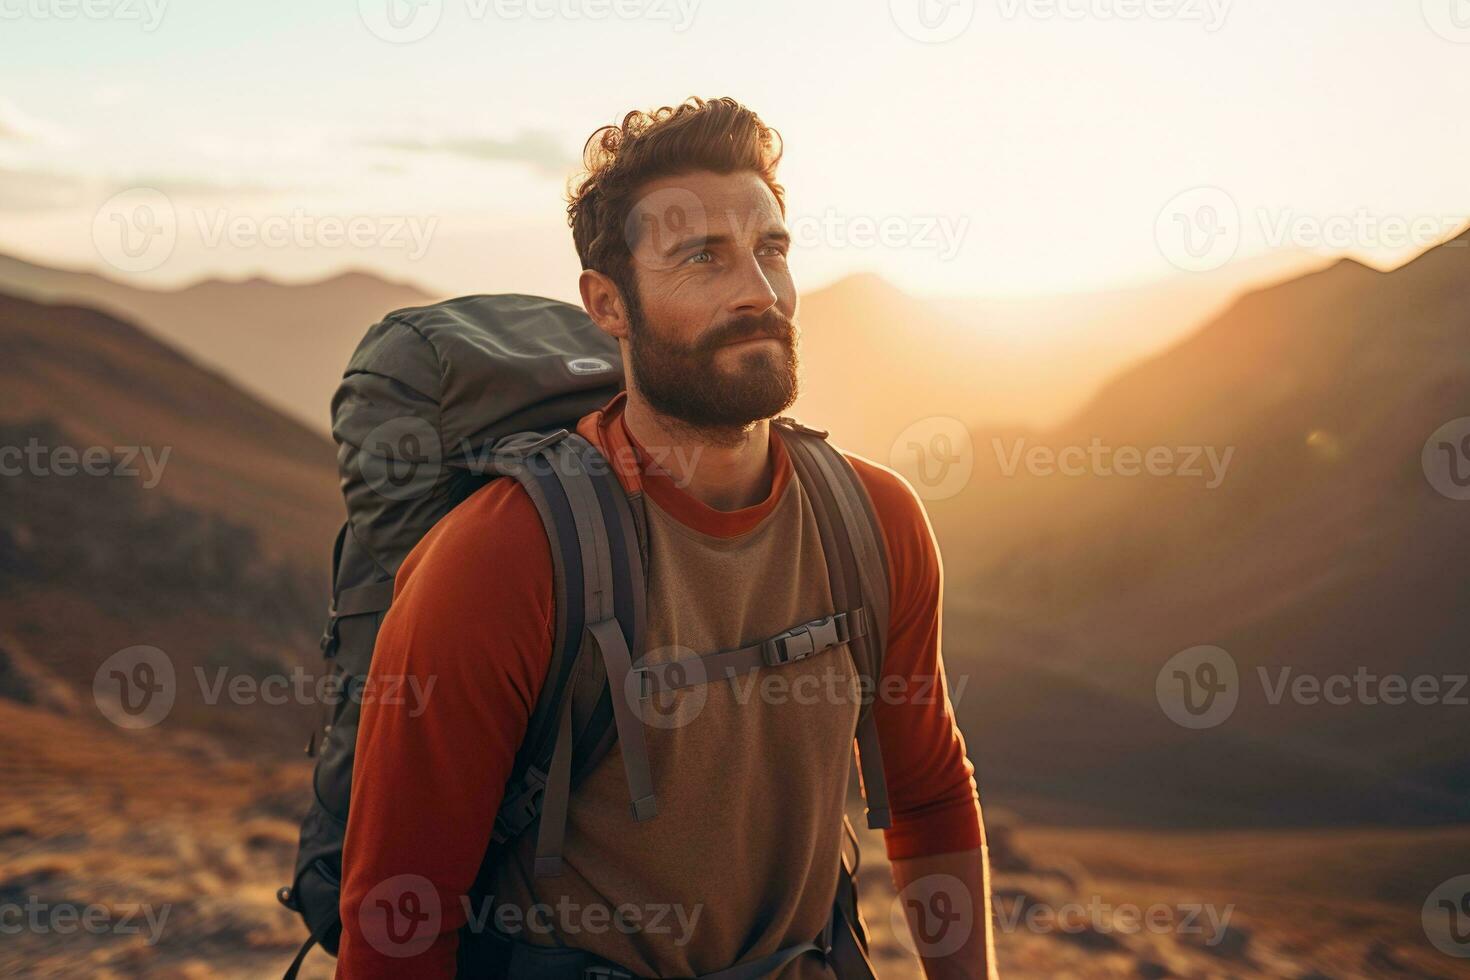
(727, 469)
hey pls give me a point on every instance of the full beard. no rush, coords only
(684, 383)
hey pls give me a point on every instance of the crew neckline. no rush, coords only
(678, 503)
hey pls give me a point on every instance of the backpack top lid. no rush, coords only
(431, 389)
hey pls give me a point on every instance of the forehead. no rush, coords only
(705, 203)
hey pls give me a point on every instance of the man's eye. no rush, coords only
(775, 250)
(700, 258)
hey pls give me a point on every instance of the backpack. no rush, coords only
(437, 401)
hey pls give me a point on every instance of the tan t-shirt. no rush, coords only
(750, 774)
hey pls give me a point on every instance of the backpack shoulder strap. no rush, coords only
(857, 565)
(598, 564)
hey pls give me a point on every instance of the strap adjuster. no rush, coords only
(644, 682)
(803, 641)
(524, 450)
(792, 423)
(329, 640)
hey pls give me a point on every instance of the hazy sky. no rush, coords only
(954, 146)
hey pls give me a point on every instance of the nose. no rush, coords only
(751, 291)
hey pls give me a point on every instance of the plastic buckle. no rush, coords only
(606, 973)
(518, 814)
(801, 641)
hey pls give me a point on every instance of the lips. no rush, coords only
(752, 340)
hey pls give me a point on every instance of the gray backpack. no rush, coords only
(437, 401)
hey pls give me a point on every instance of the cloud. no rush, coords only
(17, 127)
(32, 190)
(538, 150)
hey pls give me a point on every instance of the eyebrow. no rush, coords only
(705, 241)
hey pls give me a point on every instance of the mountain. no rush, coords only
(1318, 548)
(965, 357)
(876, 360)
(284, 343)
(148, 501)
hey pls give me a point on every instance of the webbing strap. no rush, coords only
(528, 960)
(633, 747)
(870, 765)
(551, 835)
(362, 599)
(771, 962)
(866, 551)
(788, 646)
(315, 938)
(848, 537)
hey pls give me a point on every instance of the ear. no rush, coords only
(603, 303)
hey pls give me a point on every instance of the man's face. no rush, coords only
(712, 336)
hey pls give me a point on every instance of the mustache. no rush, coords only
(772, 324)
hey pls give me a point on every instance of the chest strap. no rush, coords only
(788, 646)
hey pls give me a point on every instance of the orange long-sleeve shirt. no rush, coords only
(471, 628)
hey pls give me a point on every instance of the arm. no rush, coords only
(946, 900)
(937, 842)
(471, 628)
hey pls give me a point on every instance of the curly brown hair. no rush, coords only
(718, 135)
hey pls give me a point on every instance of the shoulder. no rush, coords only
(895, 501)
(913, 554)
(489, 553)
